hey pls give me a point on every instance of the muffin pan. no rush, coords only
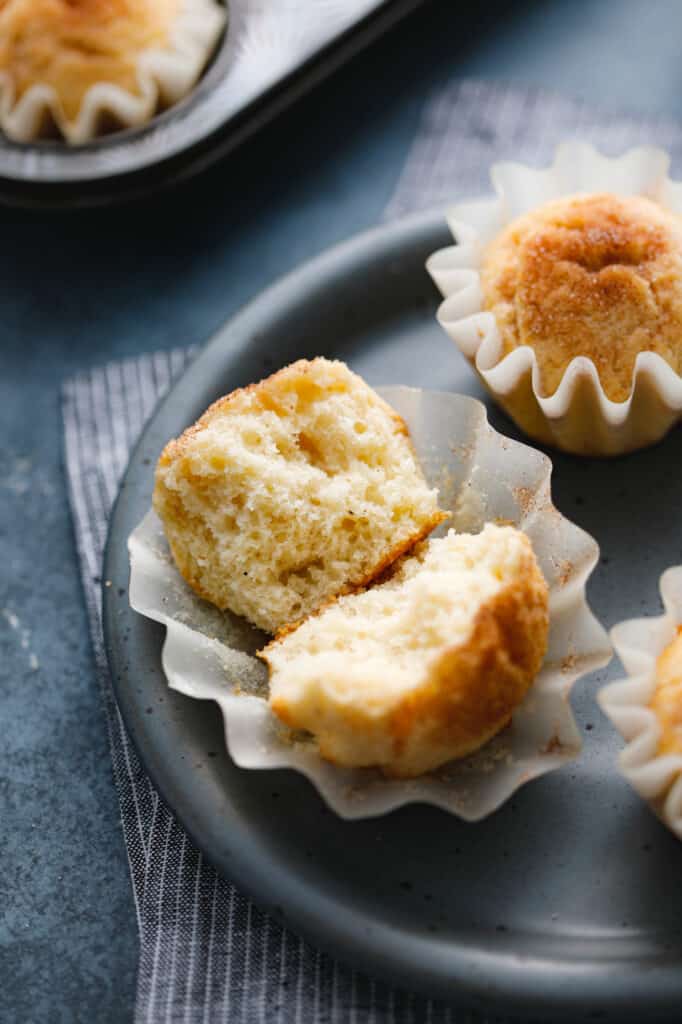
(269, 56)
(564, 904)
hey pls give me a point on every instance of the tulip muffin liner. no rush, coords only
(482, 476)
(165, 75)
(578, 417)
(638, 643)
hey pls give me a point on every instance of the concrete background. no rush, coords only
(80, 289)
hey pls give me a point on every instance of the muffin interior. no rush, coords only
(425, 666)
(286, 493)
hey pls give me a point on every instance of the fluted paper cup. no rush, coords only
(578, 417)
(164, 75)
(638, 643)
(482, 476)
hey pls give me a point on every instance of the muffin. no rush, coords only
(564, 292)
(423, 667)
(81, 67)
(666, 702)
(598, 276)
(646, 705)
(290, 492)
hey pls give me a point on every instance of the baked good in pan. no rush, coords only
(79, 68)
(423, 667)
(594, 275)
(290, 492)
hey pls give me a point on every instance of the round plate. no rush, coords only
(565, 903)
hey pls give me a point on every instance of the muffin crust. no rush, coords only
(591, 275)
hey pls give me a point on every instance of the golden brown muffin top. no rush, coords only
(72, 45)
(590, 275)
(667, 699)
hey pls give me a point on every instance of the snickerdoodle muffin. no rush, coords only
(666, 702)
(80, 67)
(423, 667)
(594, 275)
(646, 704)
(290, 492)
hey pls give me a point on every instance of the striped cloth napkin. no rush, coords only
(207, 954)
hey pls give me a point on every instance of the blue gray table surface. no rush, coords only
(81, 288)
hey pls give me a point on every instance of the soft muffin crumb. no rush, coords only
(423, 667)
(290, 492)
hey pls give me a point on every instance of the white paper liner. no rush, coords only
(578, 417)
(484, 477)
(638, 643)
(165, 76)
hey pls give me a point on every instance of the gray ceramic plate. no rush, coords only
(268, 57)
(567, 903)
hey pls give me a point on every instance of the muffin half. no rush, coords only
(424, 667)
(290, 492)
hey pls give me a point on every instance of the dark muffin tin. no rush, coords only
(217, 116)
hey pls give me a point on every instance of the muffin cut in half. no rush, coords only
(594, 275)
(82, 67)
(290, 492)
(424, 667)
